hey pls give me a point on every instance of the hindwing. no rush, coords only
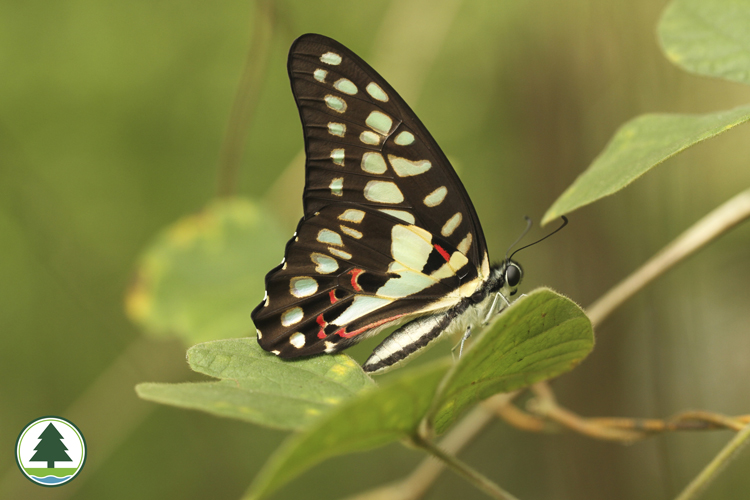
(322, 298)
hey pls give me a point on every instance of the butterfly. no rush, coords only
(389, 235)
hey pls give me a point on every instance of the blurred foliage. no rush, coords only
(199, 279)
(112, 116)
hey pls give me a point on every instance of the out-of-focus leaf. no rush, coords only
(709, 38)
(203, 275)
(259, 387)
(637, 147)
(541, 336)
(374, 418)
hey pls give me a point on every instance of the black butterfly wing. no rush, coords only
(336, 286)
(389, 231)
(365, 145)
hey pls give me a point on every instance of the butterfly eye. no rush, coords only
(513, 275)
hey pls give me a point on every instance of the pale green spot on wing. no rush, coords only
(337, 186)
(351, 232)
(369, 138)
(404, 139)
(324, 264)
(406, 168)
(292, 316)
(436, 197)
(451, 224)
(383, 192)
(337, 129)
(361, 305)
(345, 86)
(352, 215)
(399, 214)
(338, 155)
(320, 75)
(376, 92)
(373, 163)
(331, 58)
(330, 237)
(340, 253)
(303, 286)
(297, 340)
(379, 122)
(335, 103)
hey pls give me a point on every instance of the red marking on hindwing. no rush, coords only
(355, 274)
(332, 295)
(443, 253)
(323, 324)
(343, 333)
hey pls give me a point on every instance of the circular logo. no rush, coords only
(50, 451)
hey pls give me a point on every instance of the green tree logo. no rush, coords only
(50, 451)
(51, 448)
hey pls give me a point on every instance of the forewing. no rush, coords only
(364, 145)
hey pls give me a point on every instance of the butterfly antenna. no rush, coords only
(565, 223)
(524, 233)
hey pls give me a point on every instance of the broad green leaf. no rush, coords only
(541, 336)
(202, 277)
(709, 38)
(374, 418)
(638, 146)
(261, 388)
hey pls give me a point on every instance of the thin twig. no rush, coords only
(711, 471)
(545, 405)
(710, 227)
(686, 421)
(245, 100)
(462, 469)
(627, 430)
(519, 419)
(416, 484)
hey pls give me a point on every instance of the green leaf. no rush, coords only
(638, 146)
(709, 38)
(203, 275)
(261, 388)
(541, 336)
(374, 418)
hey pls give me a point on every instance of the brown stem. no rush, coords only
(628, 429)
(710, 227)
(462, 469)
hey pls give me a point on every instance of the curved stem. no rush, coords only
(245, 100)
(722, 219)
(462, 469)
(707, 475)
(416, 484)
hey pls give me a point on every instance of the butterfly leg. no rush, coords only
(460, 345)
(491, 310)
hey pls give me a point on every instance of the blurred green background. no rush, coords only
(112, 120)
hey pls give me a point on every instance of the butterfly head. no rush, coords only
(512, 276)
(510, 272)
(504, 278)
